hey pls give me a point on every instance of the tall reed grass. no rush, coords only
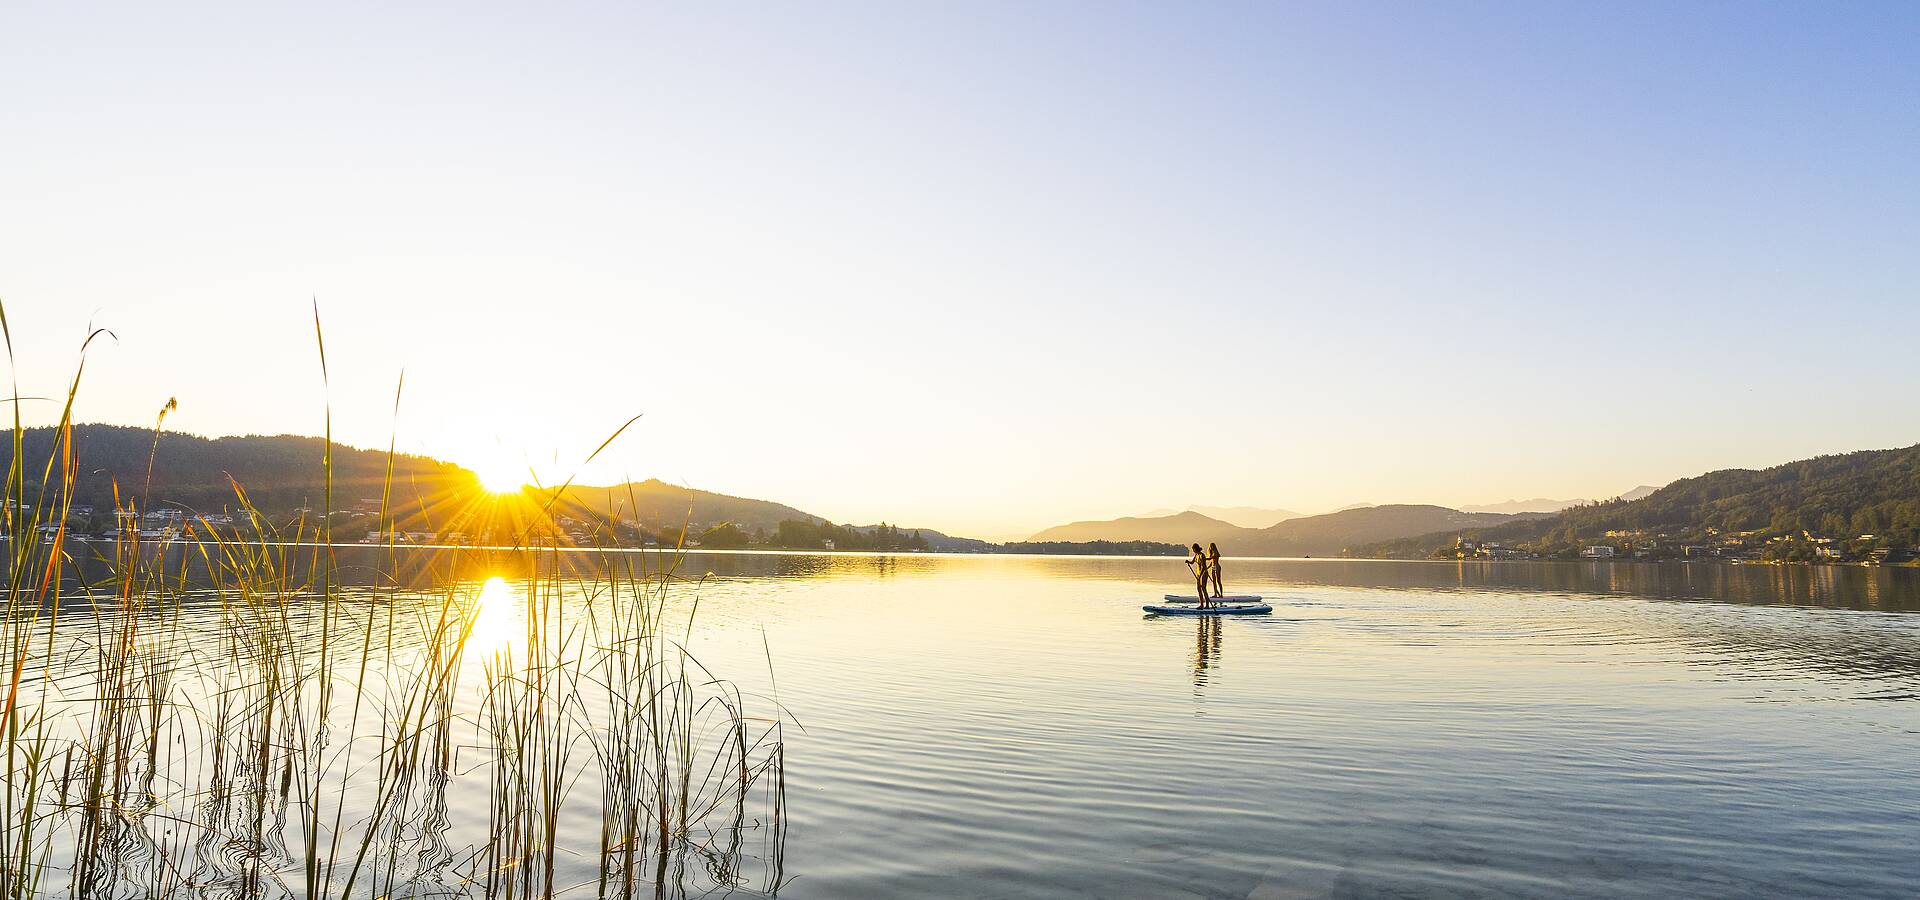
(231, 717)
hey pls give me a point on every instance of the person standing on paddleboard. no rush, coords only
(1213, 569)
(1197, 561)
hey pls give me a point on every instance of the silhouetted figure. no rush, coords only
(1213, 568)
(1197, 561)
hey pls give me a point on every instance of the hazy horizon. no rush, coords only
(985, 269)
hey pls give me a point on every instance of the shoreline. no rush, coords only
(789, 551)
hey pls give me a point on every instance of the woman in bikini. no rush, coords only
(1213, 569)
(1197, 560)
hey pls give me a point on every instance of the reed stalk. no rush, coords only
(225, 715)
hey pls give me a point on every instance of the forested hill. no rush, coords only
(1842, 498)
(658, 504)
(948, 543)
(283, 475)
(279, 472)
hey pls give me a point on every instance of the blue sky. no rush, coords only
(987, 267)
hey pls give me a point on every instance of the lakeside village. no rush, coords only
(364, 519)
(1757, 546)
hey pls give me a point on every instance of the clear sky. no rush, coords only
(986, 268)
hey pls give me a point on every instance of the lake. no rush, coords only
(997, 726)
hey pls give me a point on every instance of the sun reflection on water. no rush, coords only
(497, 621)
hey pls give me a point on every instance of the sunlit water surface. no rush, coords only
(1016, 727)
(994, 727)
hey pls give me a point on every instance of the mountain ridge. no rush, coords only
(1535, 505)
(1243, 516)
(1325, 534)
(1180, 528)
(1847, 502)
(1546, 505)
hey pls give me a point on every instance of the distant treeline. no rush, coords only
(798, 534)
(1093, 548)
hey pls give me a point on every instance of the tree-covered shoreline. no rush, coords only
(1853, 507)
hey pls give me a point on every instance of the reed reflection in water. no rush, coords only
(248, 725)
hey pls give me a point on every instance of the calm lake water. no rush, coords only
(987, 726)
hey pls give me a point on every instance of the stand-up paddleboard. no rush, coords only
(1230, 609)
(1230, 598)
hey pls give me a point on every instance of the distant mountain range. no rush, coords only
(1262, 517)
(1544, 505)
(1322, 535)
(1644, 490)
(1536, 505)
(1180, 528)
(1243, 516)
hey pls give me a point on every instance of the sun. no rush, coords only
(502, 476)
